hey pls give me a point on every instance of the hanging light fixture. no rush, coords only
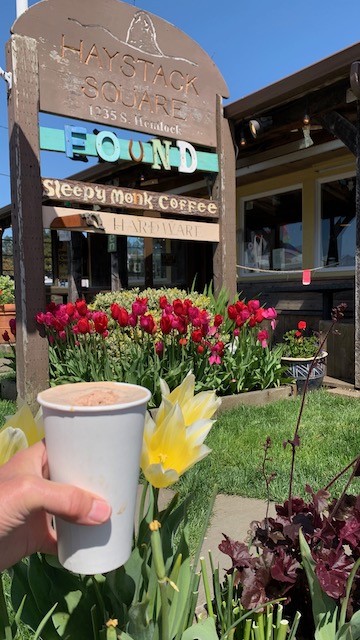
(242, 138)
(306, 118)
(259, 125)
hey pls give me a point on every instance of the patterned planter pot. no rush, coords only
(298, 369)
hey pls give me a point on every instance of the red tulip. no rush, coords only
(165, 324)
(12, 325)
(148, 323)
(178, 307)
(196, 335)
(114, 310)
(100, 322)
(123, 317)
(81, 307)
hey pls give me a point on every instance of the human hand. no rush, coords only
(28, 501)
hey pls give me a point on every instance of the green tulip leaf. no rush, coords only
(324, 608)
(140, 628)
(350, 630)
(31, 615)
(204, 630)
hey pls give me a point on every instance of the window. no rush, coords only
(135, 261)
(168, 262)
(338, 228)
(273, 231)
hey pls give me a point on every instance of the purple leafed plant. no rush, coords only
(331, 528)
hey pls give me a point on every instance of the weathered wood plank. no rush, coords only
(54, 140)
(31, 349)
(128, 225)
(124, 198)
(341, 128)
(357, 255)
(121, 67)
(224, 192)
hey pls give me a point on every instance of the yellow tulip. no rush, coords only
(194, 407)
(11, 441)
(23, 419)
(170, 447)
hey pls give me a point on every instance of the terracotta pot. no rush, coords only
(7, 312)
(298, 369)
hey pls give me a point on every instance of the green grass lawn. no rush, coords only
(7, 408)
(329, 435)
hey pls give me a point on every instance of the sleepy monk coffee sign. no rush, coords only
(111, 63)
(133, 199)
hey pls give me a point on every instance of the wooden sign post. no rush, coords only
(225, 193)
(27, 227)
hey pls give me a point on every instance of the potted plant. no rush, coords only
(7, 303)
(301, 351)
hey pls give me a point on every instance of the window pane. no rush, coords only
(159, 261)
(273, 231)
(135, 261)
(168, 262)
(338, 229)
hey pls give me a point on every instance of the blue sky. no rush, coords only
(253, 44)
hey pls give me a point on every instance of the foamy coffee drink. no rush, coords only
(94, 435)
(93, 394)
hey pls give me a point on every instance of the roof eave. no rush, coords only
(320, 74)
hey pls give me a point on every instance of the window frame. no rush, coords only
(246, 272)
(318, 259)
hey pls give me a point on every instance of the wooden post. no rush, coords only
(114, 271)
(357, 257)
(1, 251)
(55, 257)
(75, 266)
(224, 190)
(148, 262)
(26, 196)
(122, 260)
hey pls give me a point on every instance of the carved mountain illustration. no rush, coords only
(142, 35)
(119, 59)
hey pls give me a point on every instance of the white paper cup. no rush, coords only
(96, 447)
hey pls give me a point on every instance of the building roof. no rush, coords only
(316, 91)
(321, 74)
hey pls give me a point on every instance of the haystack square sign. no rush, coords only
(112, 63)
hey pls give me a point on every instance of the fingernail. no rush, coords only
(100, 512)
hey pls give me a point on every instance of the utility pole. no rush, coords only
(21, 6)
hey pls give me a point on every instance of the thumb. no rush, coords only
(69, 502)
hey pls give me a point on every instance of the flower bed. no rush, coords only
(134, 337)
